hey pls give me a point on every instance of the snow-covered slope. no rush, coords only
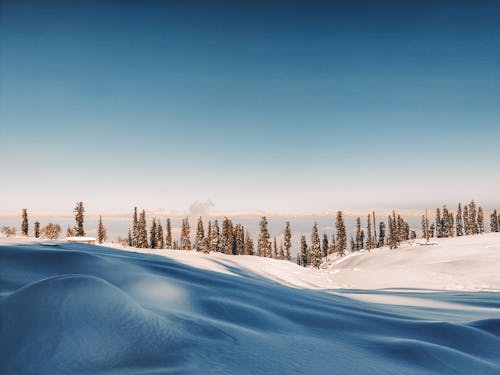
(75, 308)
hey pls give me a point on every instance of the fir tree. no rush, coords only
(200, 235)
(494, 221)
(168, 235)
(160, 242)
(79, 219)
(432, 229)
(101, 231)
(459, 221)
(37, 229)
(142, 232)
(248, 244)
(359, 236)
(369, 234)
(129, 238)
(185, 235)
(304, 256)
(239, 239)
(473, 218)
(215, 243)
(381, 234)
(24, 224)
(226, 237)
(439, 231)
(425, 227)
(275, 254)
(281, 251)
(264, 244)
(374, 240)
(324, 246)
(353, 244)
(480, 220)
(288, 240)
(69, 232)
(341, 234)
(153, 234)
(135, 229)
(332, 248)
(467, 225)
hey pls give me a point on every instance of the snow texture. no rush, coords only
(77, 308)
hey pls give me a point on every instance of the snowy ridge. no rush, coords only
(77, 308)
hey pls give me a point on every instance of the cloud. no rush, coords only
(197, 209)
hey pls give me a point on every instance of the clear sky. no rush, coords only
(257, 106)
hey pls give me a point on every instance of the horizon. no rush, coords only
(254, 107)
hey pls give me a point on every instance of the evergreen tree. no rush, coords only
(432, 229)
(152, 234)
(381, 234)
(359, 236)
(374, 240)
(325, 246)
(369, 235)
(393, 231)
(332, 248)
(474, 229)
(304, 256)
(24, 224)
(79, 219)
(353, 244)
(142, 232)
(264, 244)
(439, 231)
(459, 221)
(185, 235)
(275, 254)
(226, 237)
(168, 235)
(480, 220)
(341, 234)
(288, 241)
(135, 229)
(248, 244)
(129, 238)
(425, 227)
(200, 235)
(215, 244)
(160, 243)
(494, 221)
(101, 231)
(37, 229)
(239, 239)
(467, 220)
(69, 232)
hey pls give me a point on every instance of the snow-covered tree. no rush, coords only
(142, 231)
(303, 256)
(341, 234)
(215, 243)
(275, 254)
(79, 219)
(24, 224)
(135, 229)
(288, 240)
(248, 244)
(332, 247)
(152, 234)
(315, 247)
(37, 229)
(264, 244)
(160, 241)
(185, 235)
(324, 246)
(168, 234)
(101, 231)
(459, 222)
(52, 231)
(129, 238)
(200, 236)
(381, 234)
(494, 221)
(369, 234)
(480, 220)
(359, 236)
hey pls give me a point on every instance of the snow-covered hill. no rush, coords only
(75, 308)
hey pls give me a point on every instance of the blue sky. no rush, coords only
(263, 106)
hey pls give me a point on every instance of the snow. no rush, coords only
(78, 308)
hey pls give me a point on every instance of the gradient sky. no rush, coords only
(262, 106)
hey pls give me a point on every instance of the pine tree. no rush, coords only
(332, 248)
(439, 231)
(142, 239)
(281, 251)
(353, 244)
(101, 231)
(467, 221)
(129, 238)
(185, 235)
(226, 236)
(381, 234)
(459, 221)
(69, 232)
(168, 235)
(288, 240)
(160, 242)
(425, 226)
(135, 229)
(494, 221)
(473, 218)
(374, 240)
(275, 254)
(324, 246)
(304, 256)
(239, 239)
(480, 220)
(393, 231)
(152, 234)
(248, 244)
(341, 234)
(215, 243)
(369, 235)
(264, 244)
(315, 247)
(359, 237)
(200, 235)
(37, 229)
(24, 224)
(79, 219)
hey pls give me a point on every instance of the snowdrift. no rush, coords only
(76, 308)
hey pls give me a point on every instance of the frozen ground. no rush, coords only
(75, 308)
